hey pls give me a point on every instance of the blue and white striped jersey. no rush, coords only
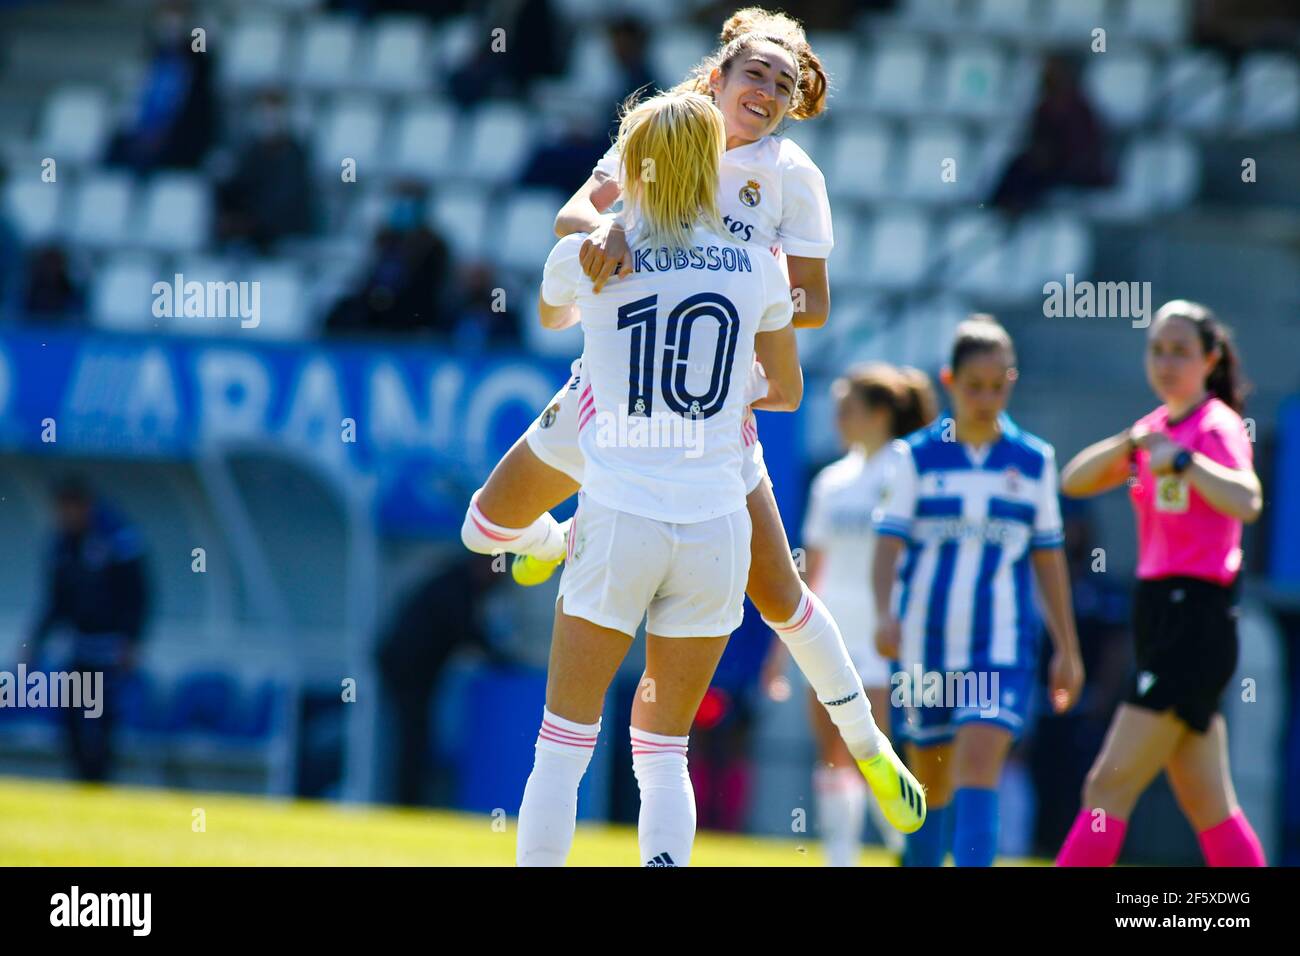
(971, 519)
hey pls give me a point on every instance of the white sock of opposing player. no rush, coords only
(841, 798)
(818, 650)
(543, 539)
(549, 812)
(666, 827)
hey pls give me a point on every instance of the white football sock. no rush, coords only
(841, 798)
(818, 650)
(543, 539)
(666, 827)
(549, 812)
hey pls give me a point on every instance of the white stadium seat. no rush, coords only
(897, 75)
(808, 135)
(1195, 90)
(282, 301)
(498, 143)
(1048, 247)
(1268, 92)
(845, 258)
(927, 149)
(897, 249)
(122, 292)
(102, 207)
(528, 228)
(74, 125)
(1119, 84)
(396, 56)
(1072, 21)
(675, 51)
(177, 212)
(972, 80)
(33, 207)
(256, 52)
(1005, 17)
(459, 215)
(839, 55)
(934, 15)
(1155, 173)
(352, 128)
(328, 50)
(860, 163)
(425, 140)
(975, 255)
(1157, 21)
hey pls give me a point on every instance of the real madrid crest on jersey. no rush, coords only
(750, 193)
(548, 416)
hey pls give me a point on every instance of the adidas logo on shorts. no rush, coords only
(663, 859)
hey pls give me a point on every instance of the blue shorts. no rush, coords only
(931, 714)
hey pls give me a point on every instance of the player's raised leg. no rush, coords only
(584, 659)
(511, 512)
(803, 624)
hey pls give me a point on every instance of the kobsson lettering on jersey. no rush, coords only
(712, 258)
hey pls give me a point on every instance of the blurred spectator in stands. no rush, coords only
(629, 40)
(1240, 26)
(96, 597)
(1067, 144)
(404, 288)
(50, 294)
(268, 194)
(173, 122)
(438, 617)
(11, 265)
(506, 63)
(563, 159)
(1061, 747)
(483, 318)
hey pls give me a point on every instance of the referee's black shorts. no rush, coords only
(1186, 637)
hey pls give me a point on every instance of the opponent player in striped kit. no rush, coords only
(972, 509)
(661, 531)
(771, 196)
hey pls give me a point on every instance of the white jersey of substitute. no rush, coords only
(665, 366)
(838, 524)
(770, 194)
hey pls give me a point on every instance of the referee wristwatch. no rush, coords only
(1182, 461)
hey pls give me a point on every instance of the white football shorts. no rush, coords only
(687, 580)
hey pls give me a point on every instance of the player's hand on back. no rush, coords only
(603, 253)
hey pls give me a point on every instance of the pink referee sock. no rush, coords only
(1086, 846)
(1232, 843)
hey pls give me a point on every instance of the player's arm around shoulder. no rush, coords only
(776, 347)
(557, 303)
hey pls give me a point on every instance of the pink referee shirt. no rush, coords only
(1179, 534)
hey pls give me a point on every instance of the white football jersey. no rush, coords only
(665, 365)
(839, 525)
(770, 194)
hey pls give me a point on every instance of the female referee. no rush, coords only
(1192, 486)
